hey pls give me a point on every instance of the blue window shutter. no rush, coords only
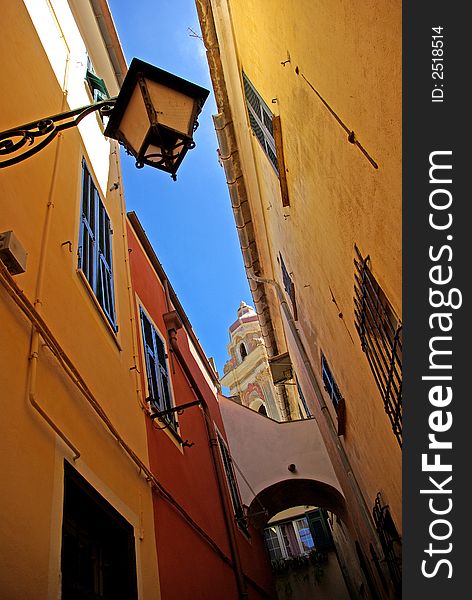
(151, 363)
(156, 369)
(105, 274)
(87, 246)
(95, 255)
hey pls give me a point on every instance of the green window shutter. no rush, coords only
(97, 86)
(319, 530)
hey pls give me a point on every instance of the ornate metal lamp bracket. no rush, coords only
(26, 140)
(160, 416)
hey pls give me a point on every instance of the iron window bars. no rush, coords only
(389, 540)
(380, 332)
(260, 118)
(95, 256)
(159, 395)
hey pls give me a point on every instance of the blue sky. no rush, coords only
(189, 222)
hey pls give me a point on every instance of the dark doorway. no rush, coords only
(98, 559)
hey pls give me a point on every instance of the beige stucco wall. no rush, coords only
(262, 449)
(31, 454)
(351, 54)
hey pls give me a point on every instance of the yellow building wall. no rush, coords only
(351, 54)
(47, 188)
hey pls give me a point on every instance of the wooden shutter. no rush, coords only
(232, 484)
(87, 228)
(164, 377)
(319, 530)
(277, 132)
(95, 256)
(105, 272)
(260, 119)
(151, 362)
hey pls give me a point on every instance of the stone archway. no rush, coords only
(295, 492)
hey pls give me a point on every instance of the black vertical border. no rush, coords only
(429, 127)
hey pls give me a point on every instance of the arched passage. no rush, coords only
(295, 492)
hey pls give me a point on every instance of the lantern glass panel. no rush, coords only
(174, 109)
(134, 124)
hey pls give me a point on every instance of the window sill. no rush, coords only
(102, 314)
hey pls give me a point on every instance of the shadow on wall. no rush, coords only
(295, 492)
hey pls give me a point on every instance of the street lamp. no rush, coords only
(154, 117)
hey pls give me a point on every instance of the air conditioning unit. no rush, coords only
(12, 253)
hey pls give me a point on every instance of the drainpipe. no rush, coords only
(34, 340)
(33, 367)
(220, 475)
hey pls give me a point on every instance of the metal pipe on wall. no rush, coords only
(220, 476)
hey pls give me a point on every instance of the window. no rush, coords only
(289, 286)
(97, 86)
(232, 485)
(380, 332)
(260, 118)
(389, 540)
(332, 389)
(242, 352)
(262, 410)
(98, 548)
(159, 395)
(95, 258)
(273, 543)
(304, 534)
(305, 412)
(294, 538)
(330, 384)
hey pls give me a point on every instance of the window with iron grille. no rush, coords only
(232, 485)
(260, 118)
(389, 540)
(289, 286)
(380, 332)
(159, 395)
(95, 256)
